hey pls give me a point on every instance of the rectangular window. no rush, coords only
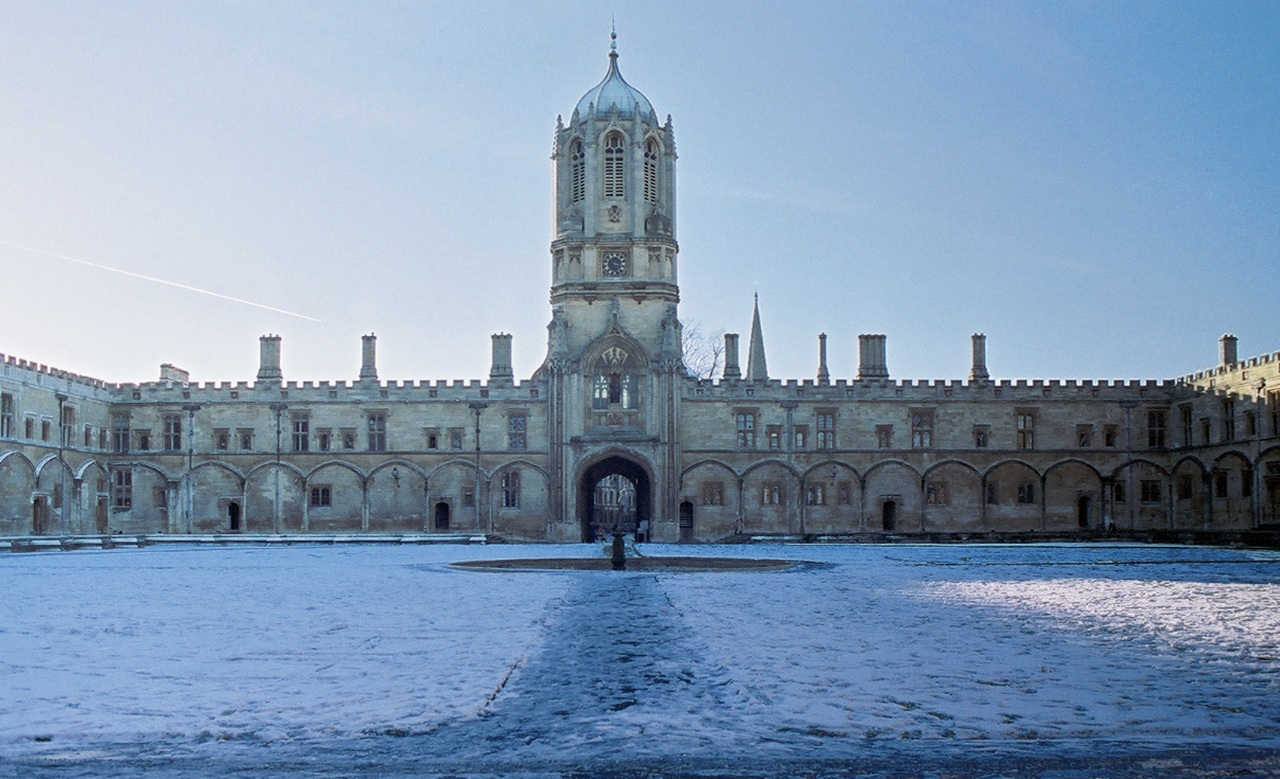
(1149, 491)
(1220, 484)
(1025, 423)
(517, 427)
(6, 415)
(510, 483)
(1206, 431)
(29, 431)
(143, 440)
(1273, 403)
(713, 493)
(301, 433)
(981, 436)
(433, 437)
(1188, 432)
(935, 493)
(844, 493)
(815, 495)
(221, 439)
(1109, 436)
(771, 493)
(993, 493)
(377, 432)
(122, 489)
(826, 429)
(802, 436)
(884, 436)
(324, 439)
(1027, 492)
(159, 498)
(1156, 427)
(244, 436)
(88, 436)
(46, 429)
(102, 438)
(1246, 483)
(746, 423)
(773, 435)
(922, 428)
(1084, 436)
(1118, 493)
(348, 438)
(469, 498)
(1250, 424)
(321, 496)
(67, 426)
(1228, 421)
(172, 432)
(120, 433)
(455, 438)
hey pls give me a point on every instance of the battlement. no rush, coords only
(927, 390)
(1211, 375)
(325, 391)
(38, 371)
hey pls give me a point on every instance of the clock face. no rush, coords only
(614, 263)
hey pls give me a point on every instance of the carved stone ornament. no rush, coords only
(615, 213)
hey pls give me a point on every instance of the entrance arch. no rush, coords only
(442, 516)
(598, 520)
(233, 516)
(889, 515)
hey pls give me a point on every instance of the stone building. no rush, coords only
(613, 424)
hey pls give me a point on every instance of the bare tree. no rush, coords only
(703, 354)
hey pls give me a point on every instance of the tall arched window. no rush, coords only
(577, 171)
(651, 171)
(614, 384)
(614, 153)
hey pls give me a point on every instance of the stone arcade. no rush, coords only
(613, 431)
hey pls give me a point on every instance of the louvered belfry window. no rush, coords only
(577, 171)
(651, 171)
(614, 180)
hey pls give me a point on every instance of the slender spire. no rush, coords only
(757, 370)
(613, 38)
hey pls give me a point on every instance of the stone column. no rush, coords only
(731, 369)
(500, 366)
(824, 376)
(1227, 354)
(979, 370)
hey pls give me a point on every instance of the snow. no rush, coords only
(211, 659)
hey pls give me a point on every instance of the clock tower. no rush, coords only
(614, 344)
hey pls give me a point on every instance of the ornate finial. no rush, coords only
(613, 37)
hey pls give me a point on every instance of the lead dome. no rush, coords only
(614, 93)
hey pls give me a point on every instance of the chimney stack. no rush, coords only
(824, 376)
(500, 367)
(871, 357)
(1227, 354)
(369, 357)
(269, 358)
(979, 370)
(731, 369)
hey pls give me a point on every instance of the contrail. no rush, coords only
(167, 283)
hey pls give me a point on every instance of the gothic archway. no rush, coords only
(614, 494)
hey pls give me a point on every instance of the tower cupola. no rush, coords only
(613, 95)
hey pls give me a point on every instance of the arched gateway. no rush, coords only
(606, 506)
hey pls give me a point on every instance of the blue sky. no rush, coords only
(1094, 186)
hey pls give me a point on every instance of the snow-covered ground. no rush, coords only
(862, 661)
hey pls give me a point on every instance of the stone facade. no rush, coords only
(705, 459)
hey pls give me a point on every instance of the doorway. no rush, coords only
(614, 496)
(100, 516)
(1082, 511)
(889, 515)
(686, 521)
(233, 516)
(441, 516)
(39, 516)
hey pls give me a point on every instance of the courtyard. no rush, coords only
(859, 660)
